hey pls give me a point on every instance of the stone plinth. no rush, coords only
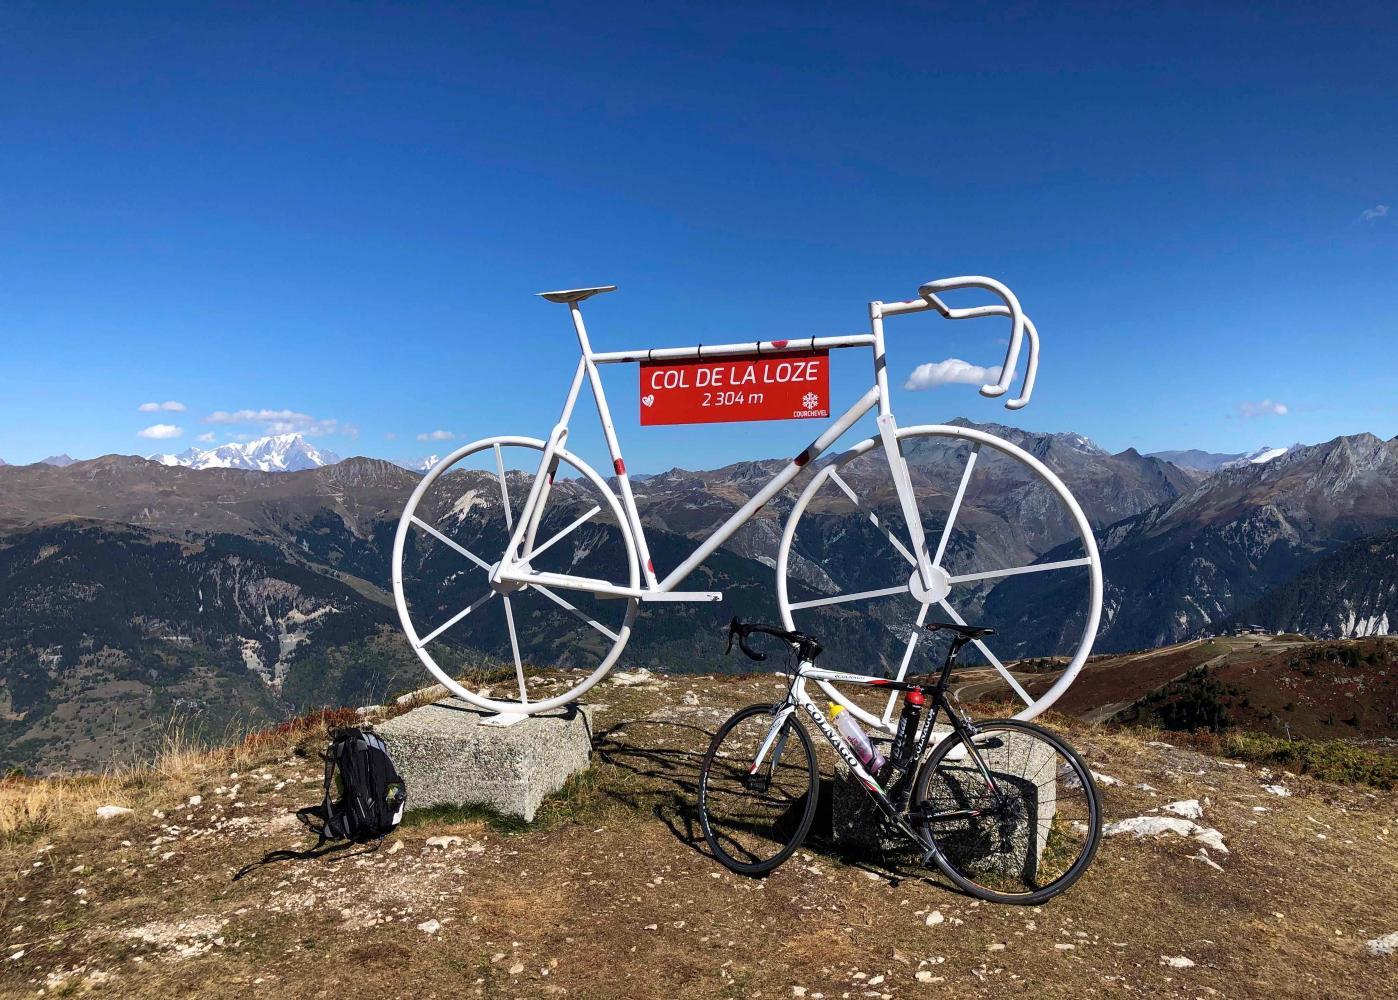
(856, 821)
(446, 757)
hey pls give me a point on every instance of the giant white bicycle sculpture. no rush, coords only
(606, 568)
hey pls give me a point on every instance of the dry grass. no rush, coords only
(31, 807)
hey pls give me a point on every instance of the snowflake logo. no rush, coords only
(810, 401)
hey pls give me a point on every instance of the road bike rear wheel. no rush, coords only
(1027, 839)
(754, 817)
(487, 642)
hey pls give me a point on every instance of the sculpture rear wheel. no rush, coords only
(454, 532)
(866, 593)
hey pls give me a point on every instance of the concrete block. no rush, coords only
(856, 822)
(1025, 767)
(447, 757)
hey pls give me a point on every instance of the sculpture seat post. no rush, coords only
(604, 415)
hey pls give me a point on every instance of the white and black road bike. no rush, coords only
(1006, 809)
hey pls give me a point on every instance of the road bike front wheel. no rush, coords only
(486, 641)
(756, 812)
(1024, 835)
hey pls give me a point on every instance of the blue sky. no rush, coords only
(337, 215)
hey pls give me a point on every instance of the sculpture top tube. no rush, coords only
(1020, 325)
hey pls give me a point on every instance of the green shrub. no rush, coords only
(1329, 760)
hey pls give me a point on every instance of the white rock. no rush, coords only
(1156, 826)
(1203, 856)
(633, 678)
(112, 812)
(395, 847)
(690, 698)
(195, 800)
(1176, 961)
(1209, 837)
(443, 842)
(430, 926)
(934, 918)
(1188, 808)
(1280, 790)
(1383, 946)
(1149, 826)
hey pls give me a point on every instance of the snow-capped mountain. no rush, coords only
(279, 453)
(1261, 456)
(419, 464)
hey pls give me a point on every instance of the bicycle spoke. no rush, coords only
(449, 543)
(576, 613)
(842, 598)
(1014, 816)
(913, 635)
(1015, 571)
(504, 490)
(956, 504)
(538, 549)
(514, 648)
(454, 619)
(994, 660)
(873, 518)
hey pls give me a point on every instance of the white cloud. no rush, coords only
(206, 438)
(1377, 212)
(160, 432)
(437, 435)
(952, 371)
(1262, 408)
(171, 405)
(390, 436)
(284, 422)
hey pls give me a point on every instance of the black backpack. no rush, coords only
(370, 806)
(374, 795)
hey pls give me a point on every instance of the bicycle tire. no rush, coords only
(1093, 822)
(797, 835)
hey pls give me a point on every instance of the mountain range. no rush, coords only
(1212, 461)
(278, 453)
(133, 589)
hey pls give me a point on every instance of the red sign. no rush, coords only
(784, 386)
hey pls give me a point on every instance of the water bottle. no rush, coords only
(907, 727)
(858, 742)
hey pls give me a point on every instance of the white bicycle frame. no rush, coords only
(514, 568)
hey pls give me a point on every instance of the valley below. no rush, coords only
(139, 599)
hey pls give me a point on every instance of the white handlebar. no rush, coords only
(1019, 325)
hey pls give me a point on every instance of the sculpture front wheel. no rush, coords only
(480, 637)
(990, 511)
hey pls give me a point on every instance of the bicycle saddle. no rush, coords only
(575, 294)
(967, 631)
